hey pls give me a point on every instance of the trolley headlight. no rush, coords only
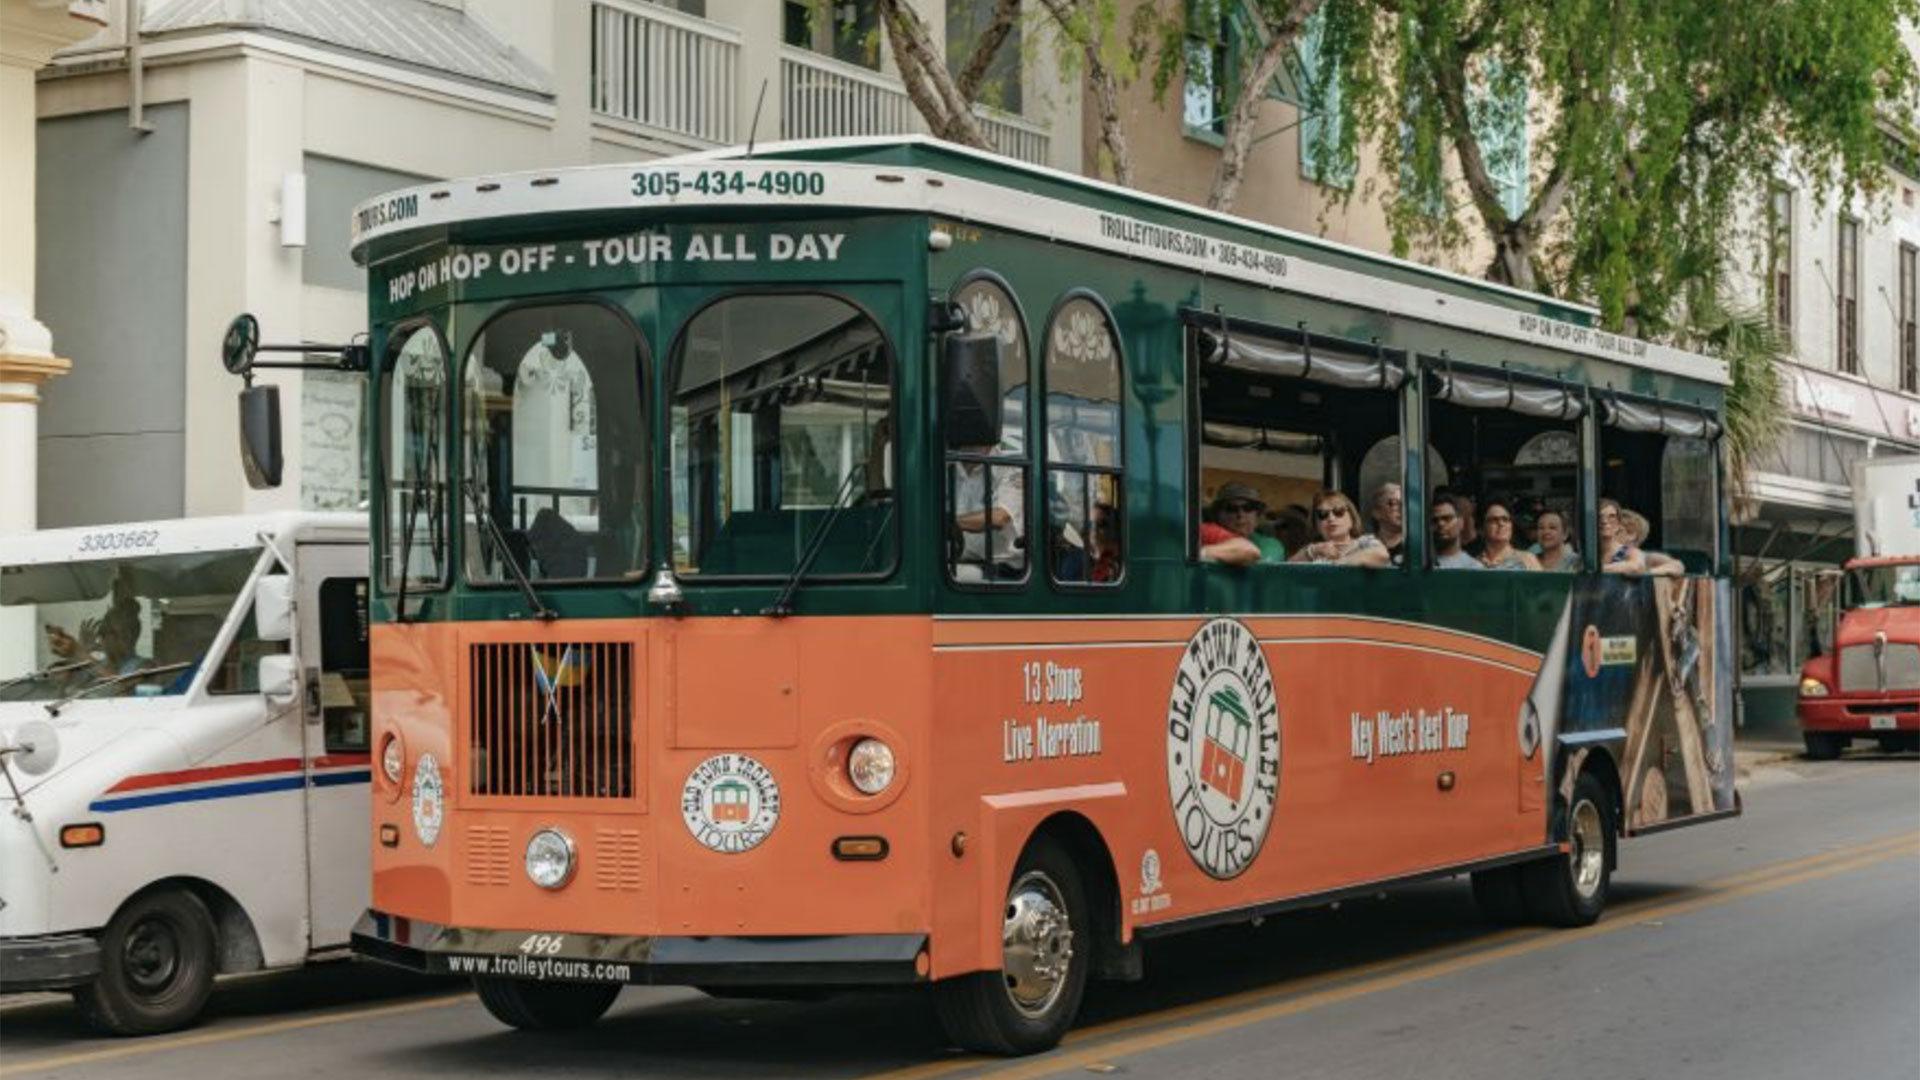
(1812, 687)
(870, 766)
(550, 858)
(393, 758)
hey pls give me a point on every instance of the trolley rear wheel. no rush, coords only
(1571, 889)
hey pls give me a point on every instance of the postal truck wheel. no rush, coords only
(156, 966)
(538, 1006)
(1046, 948)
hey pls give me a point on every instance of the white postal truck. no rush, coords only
(183, 738)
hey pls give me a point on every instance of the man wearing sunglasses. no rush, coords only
(1237, 513)
(1449, 516)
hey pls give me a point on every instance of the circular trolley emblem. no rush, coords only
(429, 800)
(1223, 748)
(731, 802)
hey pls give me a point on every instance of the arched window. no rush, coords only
(987, 485)
(414, 459)
(555, 437)
(1083, 444)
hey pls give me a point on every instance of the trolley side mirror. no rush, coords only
(970, 393)
(260, 452)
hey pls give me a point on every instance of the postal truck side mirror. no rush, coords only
(970, 396)
(279, 678)
(273, 608)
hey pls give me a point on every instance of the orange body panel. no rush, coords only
(998, 724)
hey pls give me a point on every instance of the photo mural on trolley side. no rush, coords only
(1632, 663)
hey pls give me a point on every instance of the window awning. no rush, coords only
(1243, 437)
(1297, 355)
(1486, 389)
(1652, 417)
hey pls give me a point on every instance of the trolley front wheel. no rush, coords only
(1046, 948)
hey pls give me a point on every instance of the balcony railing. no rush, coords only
(1014, 136)
(821, 97)
(659, 69)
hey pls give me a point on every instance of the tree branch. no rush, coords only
(1237, 133)
(925, 76)
(985, 49)
(1075, 22)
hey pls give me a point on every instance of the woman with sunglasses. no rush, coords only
(1617, 553)
(1497, 551)
(1336, 519)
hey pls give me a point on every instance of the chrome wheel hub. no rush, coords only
(1589, 852)
(1036, 944)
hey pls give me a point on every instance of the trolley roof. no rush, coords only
(922, 175)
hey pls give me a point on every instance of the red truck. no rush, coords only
(1868, 685)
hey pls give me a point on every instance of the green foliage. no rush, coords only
(1754, 415)
(1652, 120)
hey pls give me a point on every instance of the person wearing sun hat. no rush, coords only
(1237, 509)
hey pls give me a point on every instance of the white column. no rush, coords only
(30, 33)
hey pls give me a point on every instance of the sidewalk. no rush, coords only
(1761, 749)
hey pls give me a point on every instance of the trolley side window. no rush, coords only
(1084, 442)
(1279, 417)
(1508, 448)
(414, 459)
(986, 484)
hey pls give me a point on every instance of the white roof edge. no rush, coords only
(406, 209)
(85, 543)
(740, 151)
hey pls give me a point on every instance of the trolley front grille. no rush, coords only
(551, 720)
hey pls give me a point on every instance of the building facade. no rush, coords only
(1842, 283)
(200, 158)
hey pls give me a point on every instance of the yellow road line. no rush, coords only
(1107, 1049)
(1437, 954)
(180, 1042)
(1423, 964)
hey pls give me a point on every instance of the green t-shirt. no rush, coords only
(1271, 550)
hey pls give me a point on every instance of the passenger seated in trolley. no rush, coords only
(1389, 520)
(1238, 509)
(1556, 553)
(1617, 553)
(976, 514)
(1341, 543)
(1658, 565)
(1497, 551)
(1447, 520)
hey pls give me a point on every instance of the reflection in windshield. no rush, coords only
(780, 404)
(1884, 586)
(556, 445)
(110, 617)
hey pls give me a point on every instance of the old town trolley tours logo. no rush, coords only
(1223, 747)
(731, 803)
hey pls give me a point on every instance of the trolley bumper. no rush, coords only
(542, 956)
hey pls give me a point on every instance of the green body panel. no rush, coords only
(885, 265)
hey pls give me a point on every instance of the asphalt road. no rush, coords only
(1783, 944)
